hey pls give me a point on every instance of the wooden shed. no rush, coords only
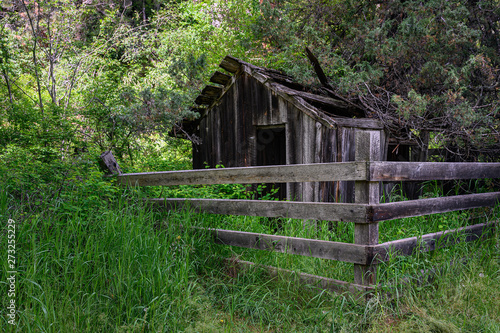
(256, 116)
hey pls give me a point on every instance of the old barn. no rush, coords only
(253, 116)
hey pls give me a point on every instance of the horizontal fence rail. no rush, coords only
(320, 282)
(431, 242)
(251, 175)
(401, 171)
(341, 212)
(318, 172)
(420, 207)
(346, 252)
(287, 209)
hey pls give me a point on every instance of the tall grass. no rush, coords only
(93, 257)
(109, 270)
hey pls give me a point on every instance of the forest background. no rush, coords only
(79, 77)
(106, 73)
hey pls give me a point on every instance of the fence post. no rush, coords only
(367, 149)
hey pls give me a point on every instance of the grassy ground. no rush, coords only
(91, 257)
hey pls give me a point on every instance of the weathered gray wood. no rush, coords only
(315, 113)
(396, 210)
(108, 163)
(220, 78)
(230, 64)
(400, 171)
(431, 242)
(251, 175)
(308, 129)
(212, 91)
(360, 123)
(336, 286)
(286, 209)
(311, 97)
(292, 245)
(317, 68)
(367, 149)
(204, 100)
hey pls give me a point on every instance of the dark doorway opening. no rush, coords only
(271, 150)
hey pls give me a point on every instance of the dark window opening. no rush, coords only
(271, 150)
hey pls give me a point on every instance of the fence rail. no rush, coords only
(318, 172)
(356, 213)
(420, 207)
(366, 213)
(342, 212)
(431, 242)
(252, 175)
(356, 254)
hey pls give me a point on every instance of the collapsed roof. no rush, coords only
(315, 102)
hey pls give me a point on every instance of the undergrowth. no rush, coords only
(94, 257)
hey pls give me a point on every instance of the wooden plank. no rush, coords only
(399, 171)
(366, 192)
(336, 286)
(212, 91)
(204, 100)
(250, 175)
(360, 123)
(431, 242)
(317, 68)
(109, 164)
(230, 64)
(220, 78)
(318, 156)
(396, 210)
(345, 252)
(308, 141)
(347, 151)
(285, 209)
(311, 97)
(295, 151)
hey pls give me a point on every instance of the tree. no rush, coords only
(92, 65)
(418, 66)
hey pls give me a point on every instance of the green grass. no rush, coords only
(125, 268)
(92, 257)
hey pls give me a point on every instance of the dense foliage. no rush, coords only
(422, 67)
(104, 73)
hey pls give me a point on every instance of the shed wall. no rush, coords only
(228, 133)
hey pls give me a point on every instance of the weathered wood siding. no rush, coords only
(229, 129)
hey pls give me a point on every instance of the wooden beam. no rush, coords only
(335, 286)
(109, 164)
(287, 209)
(220, 78)
(311, 97)
(292, 245)
(400, 171)
(361, 123)
(431, 242)
(367, 144)
(204, 100)
(397, 210)
(250, 175)
(317, 68)
(212, 91)
(230, 64)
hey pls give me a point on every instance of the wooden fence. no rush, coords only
(366, 212)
